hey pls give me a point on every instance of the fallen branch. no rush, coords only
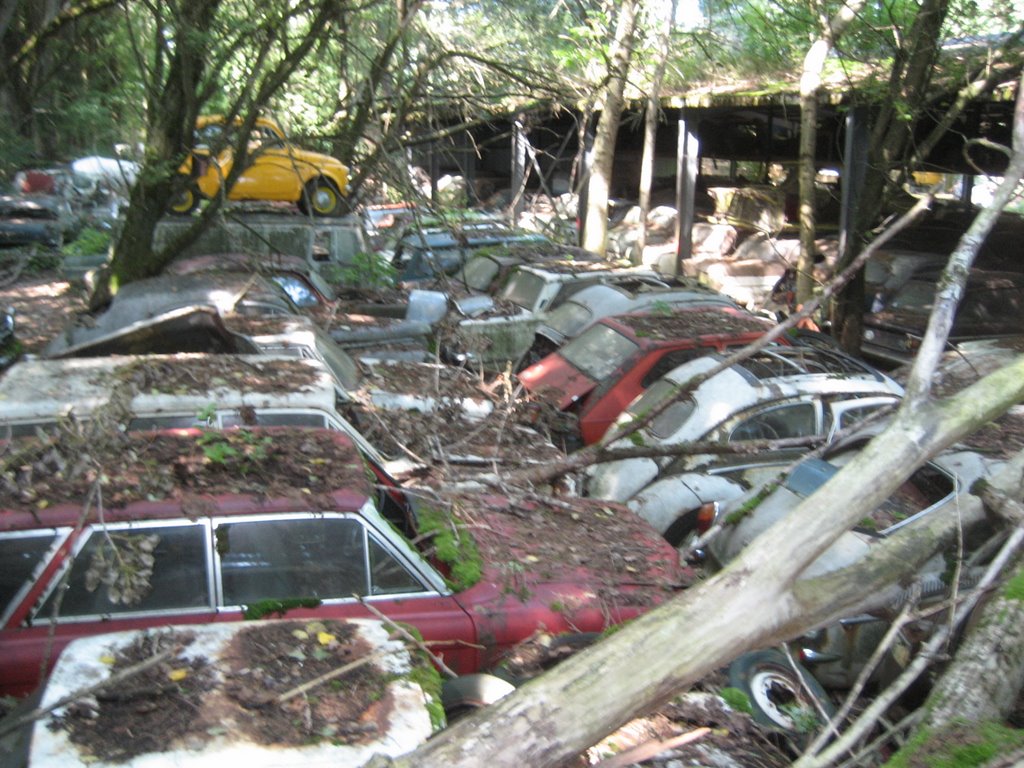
(327, 676)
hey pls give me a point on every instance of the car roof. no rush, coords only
(791, 365)
(682, 322)
(175, 474)
(34, 390)
(571, 268)
(769, 375)
(632, 298)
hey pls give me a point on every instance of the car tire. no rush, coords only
(684, 533)
(468, 693)
(776, 687)
(186, 200)
(321, 197)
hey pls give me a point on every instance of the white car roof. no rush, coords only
(37, 390)
(740, 386)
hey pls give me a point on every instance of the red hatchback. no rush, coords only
(145, 530)
(601, 371)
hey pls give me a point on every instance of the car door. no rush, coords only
(136, 575)
(274, 170)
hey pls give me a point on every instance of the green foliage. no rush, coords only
(265, 608)
(1014, 588)
(959, 745)
(736, 699)
(241, 450)
(367, 270)
(43, 260)
(426, 676)
(90, 241)
(750, 504)
(453, 546)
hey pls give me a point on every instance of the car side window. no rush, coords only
(387, 575)
(133, 570)
(20, 556)
(797, 420)
(321, 558)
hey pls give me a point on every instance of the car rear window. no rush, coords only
(522, 289)
(569, 318)
(479, 273)
(670, 420)
(599, 351)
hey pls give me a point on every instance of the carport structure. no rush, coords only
(712, 137)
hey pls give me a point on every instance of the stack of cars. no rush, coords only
(246, 433)
(230, 428)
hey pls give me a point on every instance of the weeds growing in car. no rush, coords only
(736, 699)
(370, 271)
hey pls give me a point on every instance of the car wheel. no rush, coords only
(321, 198)
(782, 695)
(185, 200)
(468, 693)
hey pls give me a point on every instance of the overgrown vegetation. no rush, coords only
(453, 546)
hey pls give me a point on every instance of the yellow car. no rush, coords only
(277, 170)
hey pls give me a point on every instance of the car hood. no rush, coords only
(193, 328)
(601, 546)
(556, 381)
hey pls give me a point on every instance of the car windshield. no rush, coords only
(297, 290)
(344, 368)
(915, 296)
(523, 289)
(569, 319)
(598, 351)
(479, 273)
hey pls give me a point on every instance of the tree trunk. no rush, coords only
(810, 84)
(651, 117)
(889, 144)
(595, 227)
(986, 676)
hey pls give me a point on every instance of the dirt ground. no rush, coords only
(42, 305)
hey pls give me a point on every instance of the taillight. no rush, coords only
(706, 516)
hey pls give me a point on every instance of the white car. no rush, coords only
(780, 392)
(499, 331)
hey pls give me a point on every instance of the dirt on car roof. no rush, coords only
(690, 323)
(182, 374)
(187, 466)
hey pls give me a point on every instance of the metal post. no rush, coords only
(518, 168)
(855, 151)
(687, 156)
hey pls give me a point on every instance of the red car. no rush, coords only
(195, 527)
(597, 374)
